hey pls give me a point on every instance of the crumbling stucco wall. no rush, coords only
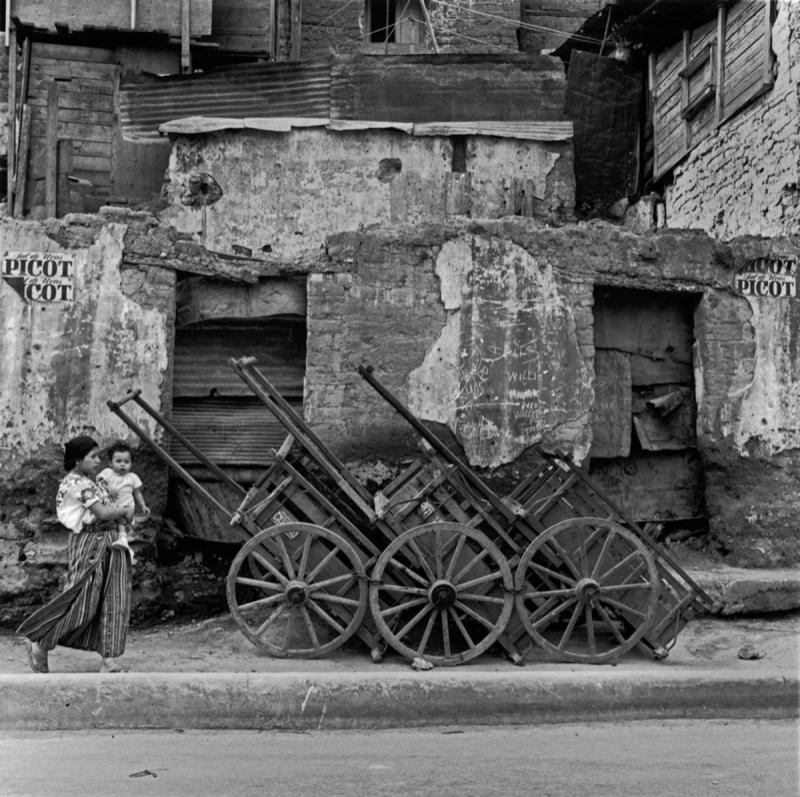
(508, 362)
(284, 192)
(60, 361)
(425, 306)
(743, 178)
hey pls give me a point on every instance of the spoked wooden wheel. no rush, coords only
(587, 590)
(441, 592)
(297, 590)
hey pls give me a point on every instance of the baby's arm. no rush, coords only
(138, 499)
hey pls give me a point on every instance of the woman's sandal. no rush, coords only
(115, 667)
(36, 663)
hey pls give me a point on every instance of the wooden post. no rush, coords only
(26, 71)
(11, 122)
(719, 99)
(429, 24)
(186, 53)
(64, 170)
(133, 14)
(767, 54)
(21, 176)
(274, 23)
(687, 130)
(51, 142)
(296, 6)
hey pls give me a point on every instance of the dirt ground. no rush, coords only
(217, 645)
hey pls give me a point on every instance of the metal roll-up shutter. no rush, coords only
(214, 409)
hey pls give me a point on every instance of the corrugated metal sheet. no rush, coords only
(240, 91)
(227, 431)
(214, 409)
(447, 87)
(201, 358)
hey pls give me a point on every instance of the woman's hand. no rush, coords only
(110, 511)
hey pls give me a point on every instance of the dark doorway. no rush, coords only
(644, 453)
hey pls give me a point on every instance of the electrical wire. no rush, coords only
(517, 23)
(331, 16)
(464, 9)
(499, 47)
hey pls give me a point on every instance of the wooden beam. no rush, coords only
(11, 121)
(51, 139)
(296, 9)
(719, 109)
(64, 170)
(272, 40)
(429, 24)
(186, 52)
(687, 132)
(21, 176)
(767, 65)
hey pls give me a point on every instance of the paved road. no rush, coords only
(642, 759)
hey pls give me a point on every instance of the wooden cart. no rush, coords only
(435, 564)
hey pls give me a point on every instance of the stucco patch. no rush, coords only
(506, 369)
(62, 362)
(770, 405)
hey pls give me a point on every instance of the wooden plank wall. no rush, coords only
(151, 15)
(667, 121)
(703, 122)
(743, 77)
(244, 26)
(746, 30)
(86, 79)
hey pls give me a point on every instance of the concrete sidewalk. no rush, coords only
(207, 675)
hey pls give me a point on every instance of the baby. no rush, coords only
(125, 488)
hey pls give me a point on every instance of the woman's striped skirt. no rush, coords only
(93, 612)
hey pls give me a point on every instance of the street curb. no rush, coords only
(310, 701)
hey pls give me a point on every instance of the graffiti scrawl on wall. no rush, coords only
(39, 276)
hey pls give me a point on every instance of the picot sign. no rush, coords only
(46, 277)
(772, 277)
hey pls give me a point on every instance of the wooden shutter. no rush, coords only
(747, 60)
(739, 59)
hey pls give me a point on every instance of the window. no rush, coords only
(395, 22)
(698, 82)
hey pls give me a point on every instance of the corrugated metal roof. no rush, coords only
(530, 131)
(284, 89)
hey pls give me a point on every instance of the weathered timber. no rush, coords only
(11, 124)
(158, 246)
(152, 15)
(51, 171)
(22, 161)
(64, 170)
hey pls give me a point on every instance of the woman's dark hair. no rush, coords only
(119, 446)
(76, 449)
